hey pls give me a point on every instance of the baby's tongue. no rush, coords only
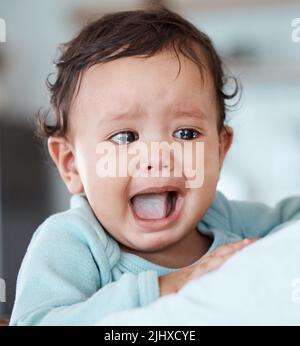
(151, 205)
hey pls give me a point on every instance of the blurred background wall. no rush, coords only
(253, 37)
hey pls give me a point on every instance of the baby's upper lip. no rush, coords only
(158, 189)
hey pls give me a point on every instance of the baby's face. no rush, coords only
(133, 100)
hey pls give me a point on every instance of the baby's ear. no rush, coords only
(62, 154)
(225, 141)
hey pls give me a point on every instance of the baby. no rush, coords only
(132, 78)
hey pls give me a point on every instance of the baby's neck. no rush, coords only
(180, 255)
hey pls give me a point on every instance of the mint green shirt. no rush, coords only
(74, 272)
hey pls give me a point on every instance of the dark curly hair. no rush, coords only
(126, 34)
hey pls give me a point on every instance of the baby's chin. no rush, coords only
(151, 242)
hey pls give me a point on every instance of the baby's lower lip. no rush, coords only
(157, 224)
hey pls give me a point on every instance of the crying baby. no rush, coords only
(126, 81)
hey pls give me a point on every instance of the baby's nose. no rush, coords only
(160, 159)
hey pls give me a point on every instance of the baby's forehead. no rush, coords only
(172, 68)
(153, 85)
(115, 115)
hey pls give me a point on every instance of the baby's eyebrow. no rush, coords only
(111, 117)
(193, 113)
(190, 112)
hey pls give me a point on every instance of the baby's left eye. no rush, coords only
(186, 134)
(125, 137)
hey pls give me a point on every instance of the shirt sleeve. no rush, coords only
(258, 219)
(250, 219)
(59, 283)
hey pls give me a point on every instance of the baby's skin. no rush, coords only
(173, 282)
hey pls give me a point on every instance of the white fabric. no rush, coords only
(260, 285)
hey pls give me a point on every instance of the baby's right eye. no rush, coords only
(125, 137)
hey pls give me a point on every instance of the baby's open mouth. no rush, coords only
(153, 206)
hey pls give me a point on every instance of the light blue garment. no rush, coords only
(259, 285)
(74, 272)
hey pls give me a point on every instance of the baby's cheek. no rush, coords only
(108, 201)
(211, 164)
(108, 195)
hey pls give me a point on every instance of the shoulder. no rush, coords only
(75, 231)
(218, 214)
(77, 222)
